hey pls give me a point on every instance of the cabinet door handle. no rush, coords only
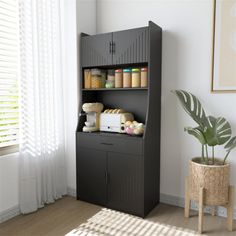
(107, 177)
(113, 47)
(110, 47)
(108, 144)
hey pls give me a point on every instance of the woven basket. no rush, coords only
(214, 180)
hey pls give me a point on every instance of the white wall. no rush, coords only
(86, 22)
(8, 182)
(187, 49)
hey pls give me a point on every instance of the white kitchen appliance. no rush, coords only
(112, 122)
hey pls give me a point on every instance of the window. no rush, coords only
(9, 55)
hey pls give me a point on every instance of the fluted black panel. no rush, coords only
(96, 50)
(131, 46)
(125, 185)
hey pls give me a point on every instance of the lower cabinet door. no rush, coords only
(91, 176)
(125, 183)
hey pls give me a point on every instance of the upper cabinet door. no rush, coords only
(96, 50)
(130, 46)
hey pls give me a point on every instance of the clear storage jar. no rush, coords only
(87, 79)
(103, 78)
(118, 78)
(110, 82)
(126, 78)
(144, 77)
(136, 78)
(96, 78)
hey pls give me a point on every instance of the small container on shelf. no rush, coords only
(118, 78)
(111, 75)
(87, 78)
(96, 81)
(127, 78)
(144, 77)
(136, 78)
(110, 82)
(103, 78)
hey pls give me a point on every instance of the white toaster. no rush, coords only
(114, 122)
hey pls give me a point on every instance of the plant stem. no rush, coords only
(203, 157)
(207, 162)
(226, 157)
(213, 155)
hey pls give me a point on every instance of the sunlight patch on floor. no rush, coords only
(112, 223)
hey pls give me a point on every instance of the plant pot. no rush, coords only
(213, 178)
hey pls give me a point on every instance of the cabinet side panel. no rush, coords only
(152, 135)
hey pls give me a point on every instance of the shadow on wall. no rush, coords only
(170, 133)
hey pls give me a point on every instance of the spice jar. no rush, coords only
(96, 78)
(127, 78)
(144, 77)
(135, 78)
(111, 75)
(110, 83)
(87, 79)
(118, 78)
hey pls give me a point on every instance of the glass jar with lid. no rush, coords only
(136, 78)
(118, 78)
(110, 82)
(144, 77)
(96, 78)
(127, 78)
(87, 79)
(103, 78)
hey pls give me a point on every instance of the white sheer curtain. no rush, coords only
(42, 164)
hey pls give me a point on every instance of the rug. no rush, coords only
(113, 223)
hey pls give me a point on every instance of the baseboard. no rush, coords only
(164, 198)
(9, 213)
(178, 201)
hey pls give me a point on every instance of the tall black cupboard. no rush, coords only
(119, 171)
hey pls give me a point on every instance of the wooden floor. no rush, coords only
(64, 215)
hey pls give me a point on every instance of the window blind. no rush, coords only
(8, 73)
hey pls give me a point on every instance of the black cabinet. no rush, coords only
(130, 46)
(96, 50)
(125, 185)
(117, 170)
(92, 179)
(110, 170)
(122, 47)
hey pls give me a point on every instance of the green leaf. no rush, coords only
(197, 133)
(192, 106)
(217, 131)
(231, 144)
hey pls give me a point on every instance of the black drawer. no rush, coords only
(121, 144)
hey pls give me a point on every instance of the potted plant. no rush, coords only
(208, 172)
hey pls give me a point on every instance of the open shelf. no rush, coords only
(114, 89)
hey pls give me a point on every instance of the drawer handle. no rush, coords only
(108, 144)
